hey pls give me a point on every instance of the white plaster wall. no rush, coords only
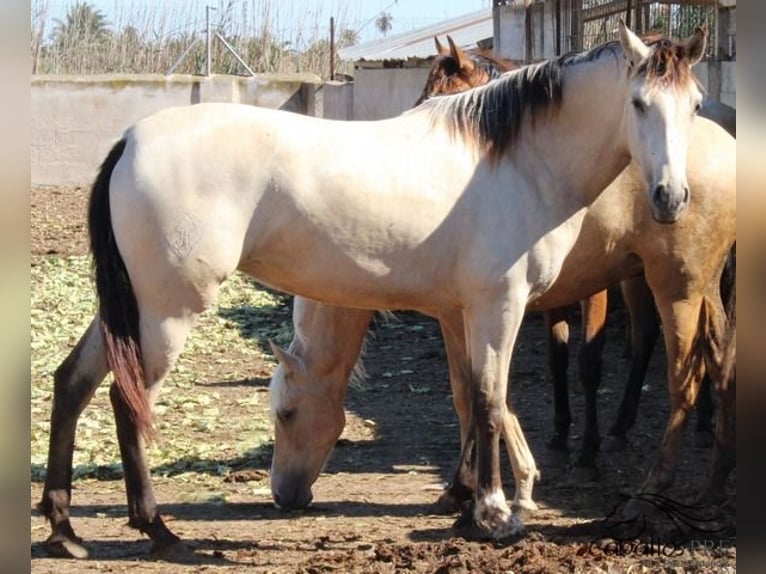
(386, 92)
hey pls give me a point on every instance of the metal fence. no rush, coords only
(678, 19)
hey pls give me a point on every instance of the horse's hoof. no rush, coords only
(176, 552)
(703, 439)
(525, 508)
(58, 546)
(615, 443)
(467, 527)
(446, 505)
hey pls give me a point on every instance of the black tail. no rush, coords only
(118, 310)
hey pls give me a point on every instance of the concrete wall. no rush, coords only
(386, 92)
(508, 29)
(76, 119)
(335, 100)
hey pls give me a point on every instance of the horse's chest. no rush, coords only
(547, 257)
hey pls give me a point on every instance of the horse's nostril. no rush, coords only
(686, 195)
(659, 193)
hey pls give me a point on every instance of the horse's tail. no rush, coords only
(118, 309)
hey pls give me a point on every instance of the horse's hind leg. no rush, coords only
(463, 484)
(644, 330)
(557, 329)
(681, 317)
(75, 382)
(162, 339)
(705, 410)
(590, 361)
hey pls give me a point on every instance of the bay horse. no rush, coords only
(455, 70)
(189, 195)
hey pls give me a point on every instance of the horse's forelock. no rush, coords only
(667, 64)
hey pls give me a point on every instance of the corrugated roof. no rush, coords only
(465, 30)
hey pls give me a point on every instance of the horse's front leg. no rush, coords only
(492, 327)
(463, 485)
(75, 382)
(590, 361)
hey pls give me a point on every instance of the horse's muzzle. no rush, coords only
(291, 497)
(668, 203)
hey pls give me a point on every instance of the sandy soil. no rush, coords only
(372, 510)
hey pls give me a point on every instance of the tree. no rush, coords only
(84, 24)
(383, 22)
(347, 38)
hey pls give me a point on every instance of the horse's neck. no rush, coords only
(332, 338)
(586, 137)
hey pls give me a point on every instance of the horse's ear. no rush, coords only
(440, 49)
(694, 46)
(459, 56)
(290, 363)
(634, 48)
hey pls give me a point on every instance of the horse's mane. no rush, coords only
(491, 116)
(493, 65)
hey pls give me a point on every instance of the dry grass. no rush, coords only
(269, 35)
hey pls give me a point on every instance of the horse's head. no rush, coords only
(453, 71)
(663, 99)
(308, 419)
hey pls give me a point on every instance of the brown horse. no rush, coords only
(455, 70)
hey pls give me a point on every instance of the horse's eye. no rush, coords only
(639, 105)
(697, 108)
(285, 415)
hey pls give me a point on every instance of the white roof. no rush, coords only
(465, 30)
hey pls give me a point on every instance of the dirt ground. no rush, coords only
(372, 504)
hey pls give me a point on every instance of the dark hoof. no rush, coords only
(446, 505)
(466, 527)
(703, 439)
(176, 552)
(58, 546)
(615, 443)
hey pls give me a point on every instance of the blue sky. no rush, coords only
(356, 14)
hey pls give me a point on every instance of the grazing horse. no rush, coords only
(455, 70)
(190, 195)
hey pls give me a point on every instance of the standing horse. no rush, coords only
(190, 195)
(455, 70)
